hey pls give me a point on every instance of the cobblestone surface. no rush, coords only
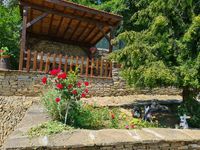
(12, 110)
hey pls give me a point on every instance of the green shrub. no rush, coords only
(62, 93)
(191, 108)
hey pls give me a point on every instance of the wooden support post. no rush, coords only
(110, 44)
(23, 38)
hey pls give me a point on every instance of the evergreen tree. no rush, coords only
(162, 48)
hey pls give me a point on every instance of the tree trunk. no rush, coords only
(186, 93)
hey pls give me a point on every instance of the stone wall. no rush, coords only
(29, 84)
(15, 83)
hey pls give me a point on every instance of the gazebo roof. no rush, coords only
(68, 22)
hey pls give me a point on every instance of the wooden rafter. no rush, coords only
(61, 20)
(41, 22)
(88, 39)
(84, 31)
(52, 15)
(76, 28)
(71, 16)
(67, 28)
(39, 18)
(86, 35)
(81, 8)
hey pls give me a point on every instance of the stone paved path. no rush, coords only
(132, 99)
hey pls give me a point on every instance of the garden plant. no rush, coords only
(61, 97)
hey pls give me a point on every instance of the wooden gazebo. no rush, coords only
(70, 23)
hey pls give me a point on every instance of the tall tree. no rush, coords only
(162, 46)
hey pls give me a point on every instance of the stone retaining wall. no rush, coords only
(29, 84)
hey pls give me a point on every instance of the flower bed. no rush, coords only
(61, 97)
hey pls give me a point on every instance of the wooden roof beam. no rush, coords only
(83, 8)
(55, 12)
(39, 18)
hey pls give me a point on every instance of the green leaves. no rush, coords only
(163, 45)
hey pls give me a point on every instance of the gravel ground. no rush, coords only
(132, 99)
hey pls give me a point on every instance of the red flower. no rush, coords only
(62, 76)
(127, 127)
(57, 100)
(1, 50)
(132, 126)
(112, 116)
(70, 86)
(86, 83)
(44, 80)
(54, 72)
(83, 95)
(74, 92)
(79, 84)
(86, 91)
(59, 86)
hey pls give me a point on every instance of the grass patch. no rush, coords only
(48, 128)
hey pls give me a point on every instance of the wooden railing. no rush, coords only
(41, 62)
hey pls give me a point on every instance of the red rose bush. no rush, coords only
(62, 92)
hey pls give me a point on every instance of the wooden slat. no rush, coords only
(35, 61)
(41, 61)
(28, 60)
(101, 69)
(47, 63)
(60, 61)
(66, 64)
(92, 65)
(77, 58)
(54, 61)
(106, 68)
(71, 62)
(87, 66)
(97, 67)
(82, 65)
(110, 71)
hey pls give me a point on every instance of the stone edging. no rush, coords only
(147, 138)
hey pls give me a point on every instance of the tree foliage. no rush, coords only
(10, 25)
(163, 46)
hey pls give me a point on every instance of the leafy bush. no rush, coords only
(191, 108)
(5, 51)
(62, 93)
(10, 25)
